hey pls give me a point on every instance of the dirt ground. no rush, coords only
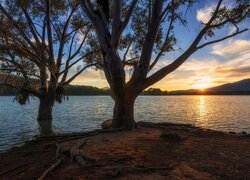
(152, 151)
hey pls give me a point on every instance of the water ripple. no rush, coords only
(227, 113)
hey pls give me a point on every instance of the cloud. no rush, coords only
(203, 15)
(90, 75)
(240, 70)
(195, 72)
(230, 49)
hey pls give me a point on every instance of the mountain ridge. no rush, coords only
(238, 87)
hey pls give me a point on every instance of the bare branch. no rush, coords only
(182, 58)
(80, 46)
(17, 26)
(88, 8)
(77, 74)
(164, 44)
(222, 39)
(116, 23)
(128, 15)
(49, 31)
(67, 67)
(141, 70)
(63, 38)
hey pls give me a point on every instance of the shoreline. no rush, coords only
(77, 133)
(153, 150)
(247, 94)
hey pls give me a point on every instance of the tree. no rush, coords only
(42, 46)
(134, 35)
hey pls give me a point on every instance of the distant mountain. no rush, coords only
(75, 90)
(243, 85)
(239, 87)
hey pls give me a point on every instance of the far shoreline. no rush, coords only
(154, 95)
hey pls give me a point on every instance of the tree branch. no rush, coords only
(141, 70)
(49, 31)
(221, 39)
(164, 44)
(77, 74)
(182, 58)
(128, 15)
(17, 26)
(62, 40)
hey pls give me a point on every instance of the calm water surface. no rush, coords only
(227, 113)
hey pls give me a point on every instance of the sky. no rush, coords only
(220, 63)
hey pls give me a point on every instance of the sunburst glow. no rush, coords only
(203, 83)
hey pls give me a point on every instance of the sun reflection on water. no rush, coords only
(202, 119)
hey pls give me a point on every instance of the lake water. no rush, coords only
(227, 113)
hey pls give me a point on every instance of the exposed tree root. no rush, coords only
(50, 169)
(78, 155)
(121, 170)
(75, 154)
(58, 150)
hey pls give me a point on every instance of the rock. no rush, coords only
(107, 124)
(244, 132)
(170, 136)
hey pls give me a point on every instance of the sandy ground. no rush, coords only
(152, 151)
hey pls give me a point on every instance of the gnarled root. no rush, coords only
(50, 169)
(74, 152)
(78, 155)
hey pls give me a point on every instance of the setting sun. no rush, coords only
(203, 83)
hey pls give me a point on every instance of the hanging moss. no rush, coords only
(22, 96)
(59, 94)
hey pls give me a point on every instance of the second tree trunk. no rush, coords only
(123, 115)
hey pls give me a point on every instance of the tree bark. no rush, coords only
(45, 109)
(123, 116)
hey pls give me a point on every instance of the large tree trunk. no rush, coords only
(45, 127)
(123, 116)
(45, 109)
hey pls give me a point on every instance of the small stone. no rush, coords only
(244, 132)
(107, 124)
